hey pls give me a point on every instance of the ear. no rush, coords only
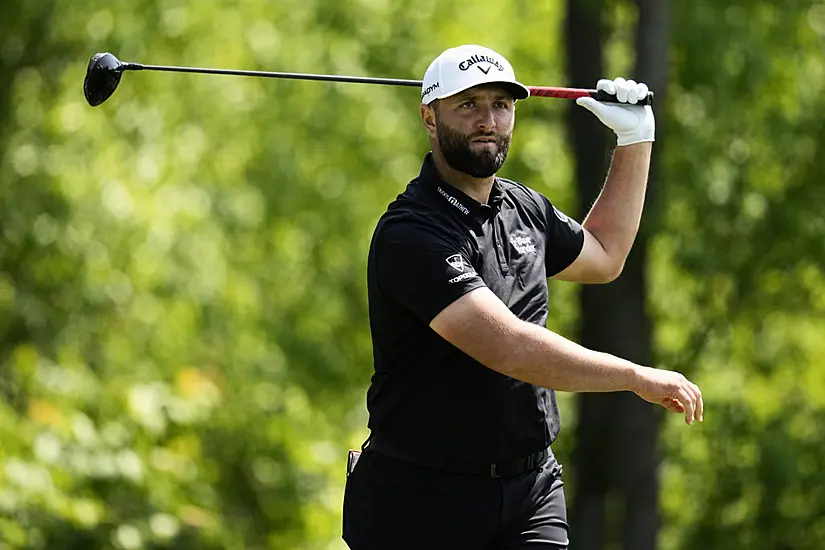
(428, 118)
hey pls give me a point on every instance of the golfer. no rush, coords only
(462, 409)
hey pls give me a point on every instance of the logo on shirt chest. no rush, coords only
(523, 243)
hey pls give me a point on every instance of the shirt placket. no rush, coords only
(498, 242)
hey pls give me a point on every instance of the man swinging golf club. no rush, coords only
(462, 404)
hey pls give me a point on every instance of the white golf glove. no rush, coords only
(632, 123)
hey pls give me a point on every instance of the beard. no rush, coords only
(458, 152)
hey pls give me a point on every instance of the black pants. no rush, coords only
(394, 505)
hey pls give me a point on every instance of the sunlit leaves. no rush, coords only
(745, 230)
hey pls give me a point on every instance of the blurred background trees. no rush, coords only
(184, 341)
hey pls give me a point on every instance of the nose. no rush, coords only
(486, 119)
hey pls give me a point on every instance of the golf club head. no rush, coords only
(102, 77)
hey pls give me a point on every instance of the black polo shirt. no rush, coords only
(432, 245)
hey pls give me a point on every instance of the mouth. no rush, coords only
(485, 140)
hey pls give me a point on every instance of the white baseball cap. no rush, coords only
(463, 67)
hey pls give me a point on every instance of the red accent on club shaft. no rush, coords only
(561, 93)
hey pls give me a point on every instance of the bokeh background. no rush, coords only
(184, 345)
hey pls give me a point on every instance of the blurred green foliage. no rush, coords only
(738, 276)
(183, 331)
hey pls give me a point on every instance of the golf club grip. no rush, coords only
(575, 93)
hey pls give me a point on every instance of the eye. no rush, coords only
(469, 104)
(502, 105)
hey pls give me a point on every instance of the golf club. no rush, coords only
(105, 71)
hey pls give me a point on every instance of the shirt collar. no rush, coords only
(455, 199)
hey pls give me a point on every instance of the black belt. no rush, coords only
(502, 468)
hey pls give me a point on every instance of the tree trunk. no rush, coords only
(615, 458)
(640, 421)
(584, 35)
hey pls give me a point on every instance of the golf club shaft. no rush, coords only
(539, 91)
(270, 74)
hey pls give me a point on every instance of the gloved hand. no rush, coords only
(631, 123)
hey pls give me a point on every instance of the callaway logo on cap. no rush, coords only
(463, 67)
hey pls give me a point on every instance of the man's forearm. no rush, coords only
(616, 214)
(480, 325)
(544, 358)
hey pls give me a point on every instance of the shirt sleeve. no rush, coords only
(565, 239)
(423, 268)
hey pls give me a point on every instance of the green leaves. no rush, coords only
(743, 234)
(183, 316)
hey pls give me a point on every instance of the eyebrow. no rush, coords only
(473, 95)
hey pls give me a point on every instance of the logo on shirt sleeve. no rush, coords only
(457, 262)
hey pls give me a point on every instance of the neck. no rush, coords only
(477, 188)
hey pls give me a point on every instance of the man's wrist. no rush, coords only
(632, 380)
(640, 146)
(636, 138)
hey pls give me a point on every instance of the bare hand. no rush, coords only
(672, 391)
